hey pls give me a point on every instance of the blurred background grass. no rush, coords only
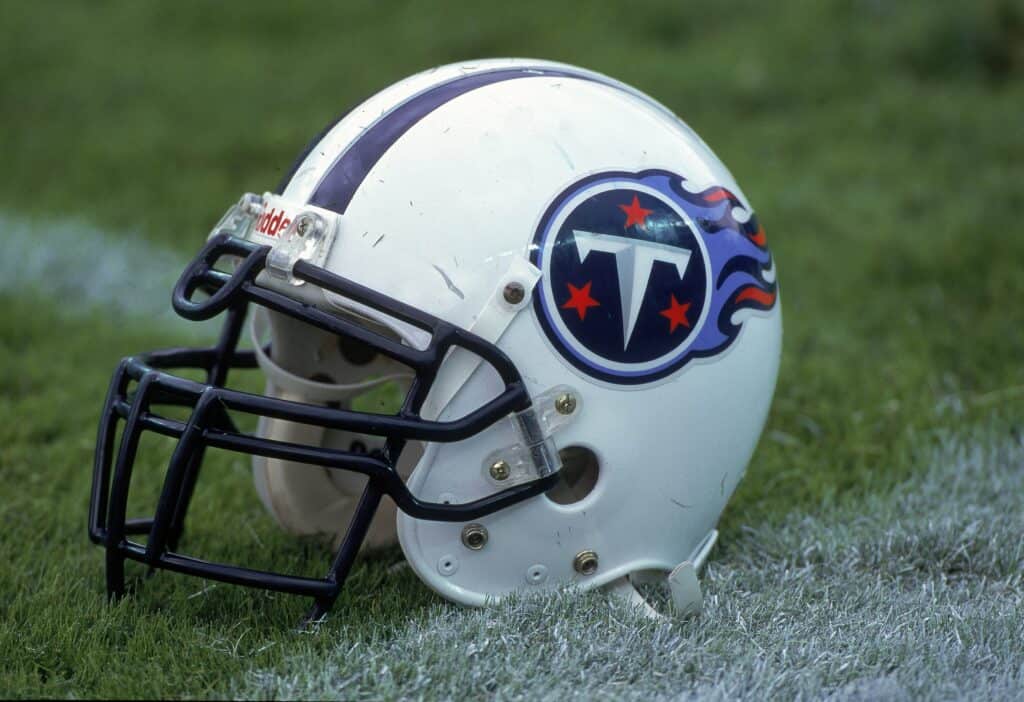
(881, 143)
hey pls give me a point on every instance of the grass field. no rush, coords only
(883, 147)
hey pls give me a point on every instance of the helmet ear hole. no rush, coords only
(576, 480)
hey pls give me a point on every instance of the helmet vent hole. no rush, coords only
(355, 352)
(578, 476)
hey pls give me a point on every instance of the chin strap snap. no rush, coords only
(684, 587)
(687, 598)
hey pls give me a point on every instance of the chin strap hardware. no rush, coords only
(687, 598)
(684, 587)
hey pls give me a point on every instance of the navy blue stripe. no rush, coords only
(286, 178)
(339, 184)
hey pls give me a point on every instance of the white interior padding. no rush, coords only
(308, 499)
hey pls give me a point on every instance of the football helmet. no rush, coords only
(566, 288)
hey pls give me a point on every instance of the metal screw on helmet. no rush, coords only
(514, 293)
(474, 536)
(585, 562)
(565, 403)
(500, 470)
(303, 224)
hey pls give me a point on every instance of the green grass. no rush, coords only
(882, 145)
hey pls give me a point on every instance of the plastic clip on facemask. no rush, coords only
(535, 454)
(306, 237)
(294, 232)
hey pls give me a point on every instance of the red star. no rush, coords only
(580, 300)
(676, 314)
(634, 213)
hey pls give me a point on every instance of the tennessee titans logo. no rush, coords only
(641, 274)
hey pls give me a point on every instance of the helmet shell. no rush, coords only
(444, 182)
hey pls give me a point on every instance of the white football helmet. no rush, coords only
(567, 286)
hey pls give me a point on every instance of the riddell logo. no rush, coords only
(272, 223)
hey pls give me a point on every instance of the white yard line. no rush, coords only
(918, 594)
(82, 269)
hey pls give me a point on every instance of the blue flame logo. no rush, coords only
(641, 273)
